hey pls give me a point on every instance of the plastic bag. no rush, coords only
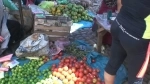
(10, 4)
(35, 45)
(101, 62)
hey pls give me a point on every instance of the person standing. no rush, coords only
(130, 40)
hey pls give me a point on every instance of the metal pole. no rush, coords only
(21, 13)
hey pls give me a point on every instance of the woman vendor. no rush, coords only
(12, 27)
(114, 6)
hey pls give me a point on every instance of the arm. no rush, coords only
(1, 39)
(119, 5)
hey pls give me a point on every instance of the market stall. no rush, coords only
(48, 57)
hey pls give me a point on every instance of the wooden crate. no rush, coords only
(54, 26)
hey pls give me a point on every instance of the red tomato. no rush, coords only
(81, 70)
(89, 81)
(98, 82)
(77, 66)
(77, 74)
(60, 54)
(94, 73)
(81, 75)
(81, 62)
(85, 72)
(67, 60)
(73, 69)
(81, 66)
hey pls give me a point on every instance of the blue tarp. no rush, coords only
(82, 23)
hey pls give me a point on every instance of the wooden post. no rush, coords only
(21, 13)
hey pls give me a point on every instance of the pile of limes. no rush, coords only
(26, 74)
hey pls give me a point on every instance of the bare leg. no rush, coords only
(109, 79)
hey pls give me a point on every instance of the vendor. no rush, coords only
(106, 5)
(14, 28)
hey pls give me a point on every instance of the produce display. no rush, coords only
(72, 71)
(50, 80)
(73, 50)
(77, 13)
(57, 10)
(26, 74)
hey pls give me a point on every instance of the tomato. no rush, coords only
(84, 79)
(90, 70)
(81, 62)
(99, 79)
(77, 82)
(94, 73)
(85, 72)
(80, 82)
(73, 69)
(70, 65)
(89, 81)
(67, 60)
(77, 74)
(81, 70)
(77, 66)
(80, 74)
(60, 54)
(56, 69)
(81, 66)
(98, 82)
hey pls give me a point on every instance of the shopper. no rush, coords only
(14, 27)
(130, 39)
(104, 7)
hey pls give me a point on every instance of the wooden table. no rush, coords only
(103, 28)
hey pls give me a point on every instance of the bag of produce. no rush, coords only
(35, 45)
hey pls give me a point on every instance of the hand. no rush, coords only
(1, 39)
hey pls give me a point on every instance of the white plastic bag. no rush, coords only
(35, 45)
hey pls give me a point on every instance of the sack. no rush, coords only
(35, 45)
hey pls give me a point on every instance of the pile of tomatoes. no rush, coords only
(83, 73)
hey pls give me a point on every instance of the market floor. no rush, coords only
(90, 37)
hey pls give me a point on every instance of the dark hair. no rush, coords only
(110, 3)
